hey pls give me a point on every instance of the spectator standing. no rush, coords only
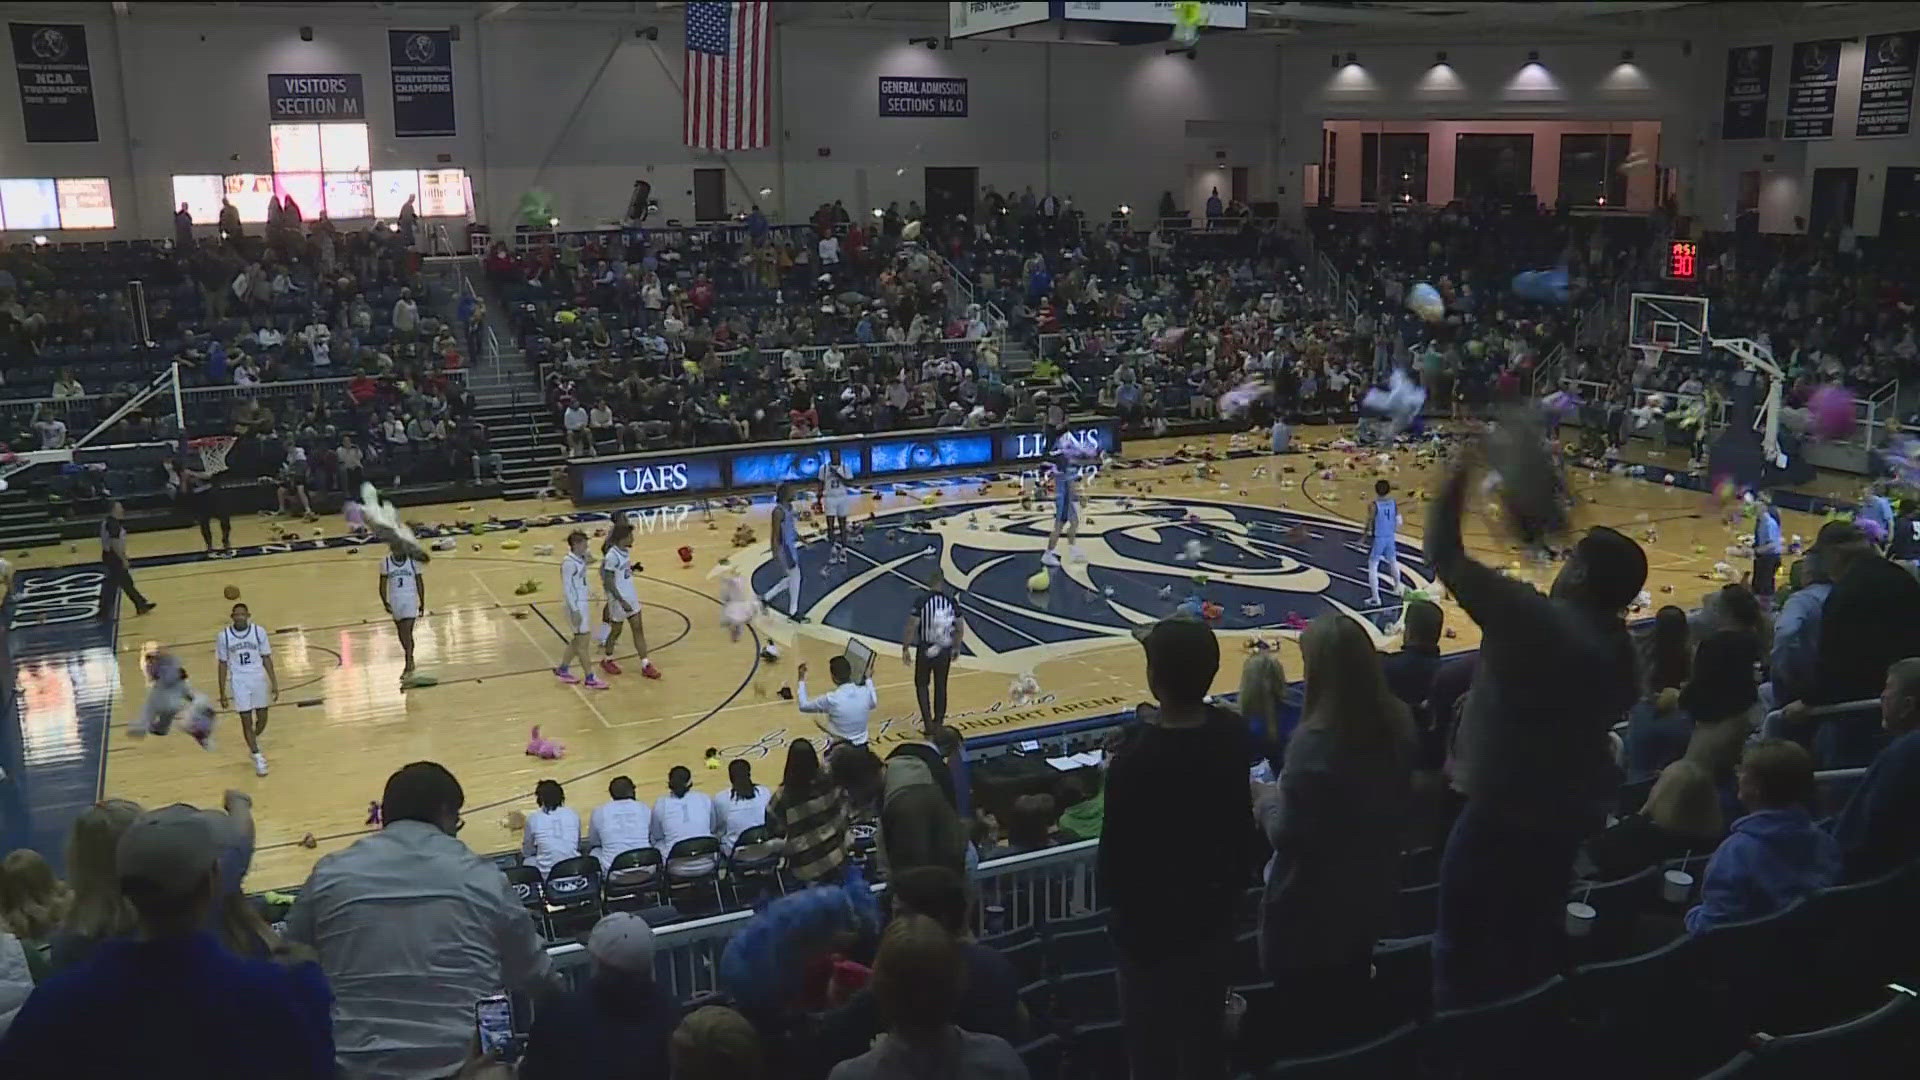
(742, 806)
(1336, 821)
(182, 231)
(1532, 754)
(809, 812)
(1876, 829)
(552, 831)
(412, 928)
(1657, 733)
(620, 1015)
(1723, 704)
(624, 824)
(113, 554)
(1177, 790)
(406, 316)
(1409, 672)
(180, 1004)
(98, 912)
(917, 979)
(1776, 854)
(919, 822)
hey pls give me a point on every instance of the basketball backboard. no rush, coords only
(1677, 324)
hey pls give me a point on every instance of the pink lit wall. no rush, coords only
(1644, 136)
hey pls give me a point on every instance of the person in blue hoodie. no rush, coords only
(1774, 855)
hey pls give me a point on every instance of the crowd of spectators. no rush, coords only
(303, 301)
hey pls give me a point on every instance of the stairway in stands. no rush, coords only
(527, 439)
(25, 520)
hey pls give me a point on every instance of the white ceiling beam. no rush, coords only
(497, 9)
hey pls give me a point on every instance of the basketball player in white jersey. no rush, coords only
(403, 592)
(575, 613)
(836, 498)
(623, 600)
(247, 678)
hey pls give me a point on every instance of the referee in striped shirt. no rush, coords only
(921, 646)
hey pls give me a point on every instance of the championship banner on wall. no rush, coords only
(1813, 83)
(56, 83)
(1886, 85)
(967, 19)
(422, 62)
(316, 97)
(1749, 79)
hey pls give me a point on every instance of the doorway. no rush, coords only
(1832, 205)
(709, 194)
(950, 192)
(1746, 204)
(1900, 210)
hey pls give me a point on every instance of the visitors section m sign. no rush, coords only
(316, 97)
(913, 96)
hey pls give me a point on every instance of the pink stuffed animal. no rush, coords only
(543, 748)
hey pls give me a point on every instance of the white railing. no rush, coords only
(23, 410)
(1014, 893)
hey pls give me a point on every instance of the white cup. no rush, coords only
(1580, 919)
(1677, 886)
(1232, 1012)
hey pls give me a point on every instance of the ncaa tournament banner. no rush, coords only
(316, 97)
(422, 82)
(56, 82)
(1749, 79)
(1886, 85)
(1813, 82)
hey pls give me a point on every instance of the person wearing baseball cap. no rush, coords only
(177, 1002)
(1531, 752)
(1176, 791)
(620, 1015)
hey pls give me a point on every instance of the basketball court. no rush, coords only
(1274, 539)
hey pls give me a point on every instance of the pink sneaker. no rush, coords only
(609, 666)
(595, 684)
(649, 670)
(568, 677)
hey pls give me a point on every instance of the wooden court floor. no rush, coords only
(343, 723)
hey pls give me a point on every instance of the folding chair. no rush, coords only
(631, 876)
(571, 891)
(526, 883)
(684, 866)
(754, 860)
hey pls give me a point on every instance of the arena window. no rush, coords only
(67, 203)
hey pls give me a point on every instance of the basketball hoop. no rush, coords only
(213, 451)
(1651, 356)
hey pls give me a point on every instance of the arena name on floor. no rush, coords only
(881, 456)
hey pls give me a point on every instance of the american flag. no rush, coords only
(727, 85)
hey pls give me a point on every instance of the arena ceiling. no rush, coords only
(1416, 21)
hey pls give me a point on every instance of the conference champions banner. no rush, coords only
(1813, 84)
(56, 82)
(1886, 85)
(1749, 80)
(422, 62)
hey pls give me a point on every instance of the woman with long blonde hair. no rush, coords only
(98, 912)
(1336, 819)
(1263, 682)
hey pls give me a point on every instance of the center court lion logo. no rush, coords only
(1260, 564)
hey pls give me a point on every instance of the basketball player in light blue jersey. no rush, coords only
(1382, 528)
(1066, 502)
(785, 541)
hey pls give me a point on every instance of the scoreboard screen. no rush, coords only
(1683, 260)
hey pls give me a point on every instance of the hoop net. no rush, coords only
(213, 451)
(1651, 356)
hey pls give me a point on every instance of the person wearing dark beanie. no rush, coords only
(1531, 754)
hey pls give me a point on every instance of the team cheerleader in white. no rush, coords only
(247, 679)
(403, 592)
(578, 614)
(786, 553)
(623, 600)
(836, 498)
(168, 693)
